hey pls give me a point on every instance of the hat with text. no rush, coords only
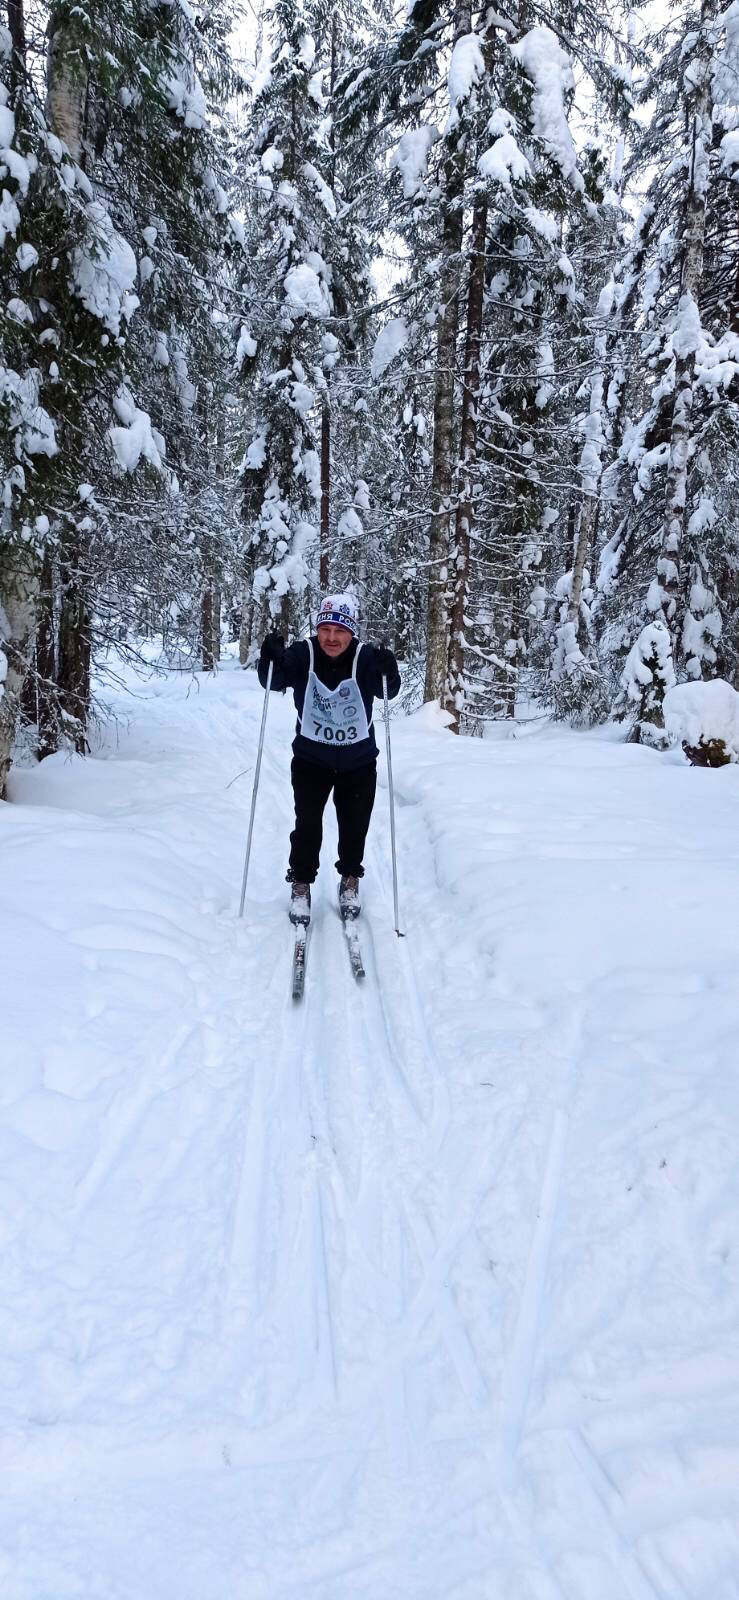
(341, 611)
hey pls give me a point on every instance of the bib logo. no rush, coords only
(344, 691)
(320, 700)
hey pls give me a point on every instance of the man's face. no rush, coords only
(334, 639)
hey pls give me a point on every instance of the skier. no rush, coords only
(334, 680)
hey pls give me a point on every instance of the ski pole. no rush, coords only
(392, 809)
(254, 790)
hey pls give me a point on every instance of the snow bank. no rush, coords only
(703, 713)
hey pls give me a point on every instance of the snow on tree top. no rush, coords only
(687, 336)
(411, 158)
(104, 271)
(186, 99)
(549, 69)
(305, 293)
(389, 342)
(136, 437)
(504, 161)
(466, 67)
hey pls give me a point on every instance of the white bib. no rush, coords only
(334, 716)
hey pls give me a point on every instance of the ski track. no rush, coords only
(349, 1343)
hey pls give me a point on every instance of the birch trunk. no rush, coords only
(66, 85)
(18, 610)
(668, 565)
(443, 460)
(67, 707)
(323, 561)
(18, 568)
(590, 465)
(460, 556)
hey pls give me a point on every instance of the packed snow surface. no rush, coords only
(426, 1290)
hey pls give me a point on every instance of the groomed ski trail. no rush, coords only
(291, 1279)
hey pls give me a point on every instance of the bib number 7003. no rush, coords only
(339, 735)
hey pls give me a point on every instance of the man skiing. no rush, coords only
(334, 679)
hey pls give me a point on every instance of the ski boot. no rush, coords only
(349, 902)
(299, 912)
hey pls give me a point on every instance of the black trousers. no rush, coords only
(354, 797)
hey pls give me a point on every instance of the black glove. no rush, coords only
(273, 649)
(387, 666)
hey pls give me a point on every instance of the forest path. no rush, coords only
(425, 1287)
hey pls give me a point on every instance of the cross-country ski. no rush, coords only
(351, 933)
(300, 951)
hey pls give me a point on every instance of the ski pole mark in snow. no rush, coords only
(272, 1359)
(402, 952)
(592, 1487)
(452, 1327)
(519, 1364)
(124, 1116)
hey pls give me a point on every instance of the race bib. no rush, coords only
(333, 716)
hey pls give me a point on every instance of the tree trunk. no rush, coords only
(454, 696)
(668, 565)
(18, 605)
(590, 471)
(323, 563)
(247, 623)
(66, 87)
(48, 709)
(73, 674)
(443, 460)
(17, 28)
(206, 630)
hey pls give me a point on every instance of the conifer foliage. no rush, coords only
(444, 309)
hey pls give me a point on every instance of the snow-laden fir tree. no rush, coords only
(283, 345)
(118, 200)
(677, 539)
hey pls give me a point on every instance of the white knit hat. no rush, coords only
(341, 610)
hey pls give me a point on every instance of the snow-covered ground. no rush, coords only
(427, 1290)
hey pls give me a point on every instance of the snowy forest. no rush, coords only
(437, 303)
(412, 1274)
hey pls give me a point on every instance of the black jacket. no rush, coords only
(292, 673)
